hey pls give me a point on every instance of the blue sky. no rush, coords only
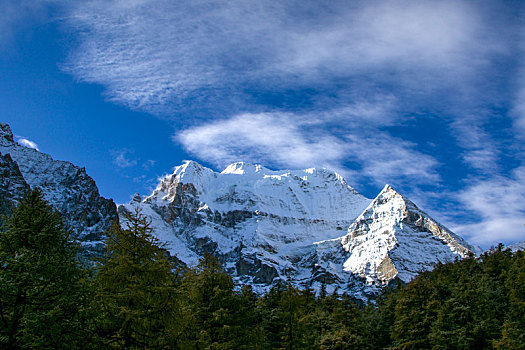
(428, 96)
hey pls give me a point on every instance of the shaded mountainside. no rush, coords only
(306, 225)
(12, 184)
(65, 186)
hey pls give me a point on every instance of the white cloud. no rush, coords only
(479, 149)
(122, 159)
(386, 159)
(27, 143)
(500, 203)
(274, 138)
(153, 55)
(287, 140)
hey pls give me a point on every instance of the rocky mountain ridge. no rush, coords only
(306, 225)
(65, 186)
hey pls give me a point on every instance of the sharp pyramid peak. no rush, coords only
(188, 164)
(393, 237)
(190, 167)
(389, 189)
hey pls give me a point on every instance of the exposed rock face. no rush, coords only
(265, 225)
(12, 184)
(66, 187)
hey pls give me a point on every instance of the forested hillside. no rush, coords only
(138, 296)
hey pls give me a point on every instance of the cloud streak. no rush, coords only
(499, 202)
(288, 140)
(163, 57)
(419, 94)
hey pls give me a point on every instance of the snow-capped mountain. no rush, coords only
(308, 225)
(261, 223)
(392, 238)
(66, 187)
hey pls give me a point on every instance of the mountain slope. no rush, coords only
(66, 187)
(12, 183)
(261, 223)
(265, 224)
(393, 238)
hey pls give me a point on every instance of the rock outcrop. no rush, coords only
(12, 184)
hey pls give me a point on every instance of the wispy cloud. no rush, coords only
(499, 202)
(288, 140)
(157, 55)
(337, 84)
(273, 138)
(26, 143)
(122, 158)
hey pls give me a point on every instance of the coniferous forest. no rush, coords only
(138, 297)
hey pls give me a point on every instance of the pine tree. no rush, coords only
(513, 334)
(211, 306)
(135, 293)
(41, 281)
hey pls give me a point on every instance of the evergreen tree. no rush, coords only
(135, 293)
(41, 282)
(513, 334)
(211, 307)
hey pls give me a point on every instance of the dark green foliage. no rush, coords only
(464, 305)
(215, 317)
(135, 290)
(41, 283)
(514, 325)
(135, 298)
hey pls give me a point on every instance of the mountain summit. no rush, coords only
(394, 238)
(308, 225)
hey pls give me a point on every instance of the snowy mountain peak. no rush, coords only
(263, 224)
(394, 238)
(190, 170)
(6, 135)
(242, 168)
(260, 223)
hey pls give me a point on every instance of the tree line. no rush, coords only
(137, 297)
